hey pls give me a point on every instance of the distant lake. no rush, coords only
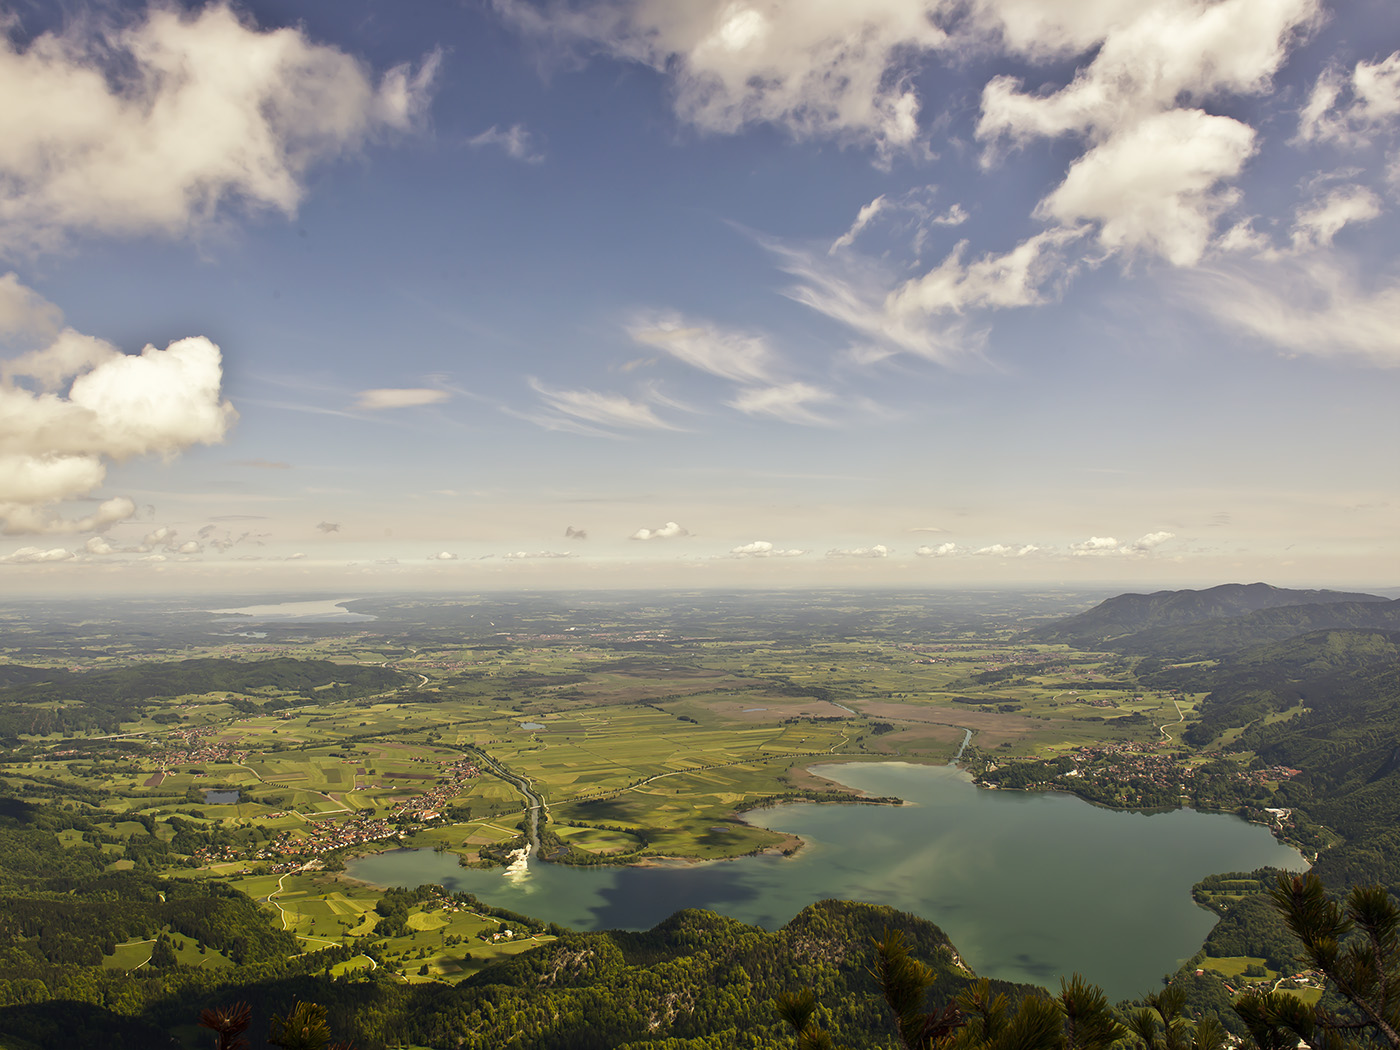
(221, 798)
(320, 611)
(1030, 887)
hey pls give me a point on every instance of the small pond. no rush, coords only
(221, 798)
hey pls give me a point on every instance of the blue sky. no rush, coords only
(721, 293)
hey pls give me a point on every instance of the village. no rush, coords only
(293, 848)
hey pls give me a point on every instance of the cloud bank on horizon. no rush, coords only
(1048, 273)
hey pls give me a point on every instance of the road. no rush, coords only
(1180, 717)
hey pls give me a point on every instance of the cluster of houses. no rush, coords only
(430, 804)
(1303, 979)
(288, 852)
(1150, 762)
(199, 749)
(326, 835)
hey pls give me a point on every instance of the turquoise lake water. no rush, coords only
(1030, 887)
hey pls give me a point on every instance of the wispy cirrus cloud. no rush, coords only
(737, 356)
(516, 141)
(789, 402)
(399, 397)
(740, 357)
(598, 413)
(262, 464)
(940, 315)
(1319, 304)
(863, 219)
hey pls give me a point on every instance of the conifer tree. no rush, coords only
(1356, 947)
(1162, 1024)
(1078, 1019)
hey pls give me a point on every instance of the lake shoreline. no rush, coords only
(1111, 896)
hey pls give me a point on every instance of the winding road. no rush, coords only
(1180, 717)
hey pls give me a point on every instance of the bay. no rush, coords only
(1030, 887)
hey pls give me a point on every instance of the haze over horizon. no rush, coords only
(351, 296)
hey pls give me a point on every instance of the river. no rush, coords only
(1030, 887)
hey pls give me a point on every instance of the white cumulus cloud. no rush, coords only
(32, 555)
(158, 124)
(1104, 546)
(1352, 110)
(1152, 540)
(764, 549)
(834, 70)
(943, 550)
(669, 531)
(1319, 222)
(879, 550)
(1157, 185)
(1155, 176)
(1096, 545)
(65, 415)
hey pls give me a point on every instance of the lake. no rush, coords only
(1030, 887)
(214, 797)
(328, 610)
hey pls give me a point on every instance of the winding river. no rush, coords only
(1030, 887)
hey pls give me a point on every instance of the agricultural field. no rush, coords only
(634, 738)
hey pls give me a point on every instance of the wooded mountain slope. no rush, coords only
(1111, 623)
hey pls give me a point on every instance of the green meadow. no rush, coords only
(639, 750)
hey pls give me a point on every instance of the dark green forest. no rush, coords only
(35, 701)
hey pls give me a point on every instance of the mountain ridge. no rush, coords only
(1114, 621)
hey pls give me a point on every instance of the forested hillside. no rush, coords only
(1220, 637)
(1322, 703)
(37, 701)
(1135, 622)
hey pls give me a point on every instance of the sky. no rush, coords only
(350, 295)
